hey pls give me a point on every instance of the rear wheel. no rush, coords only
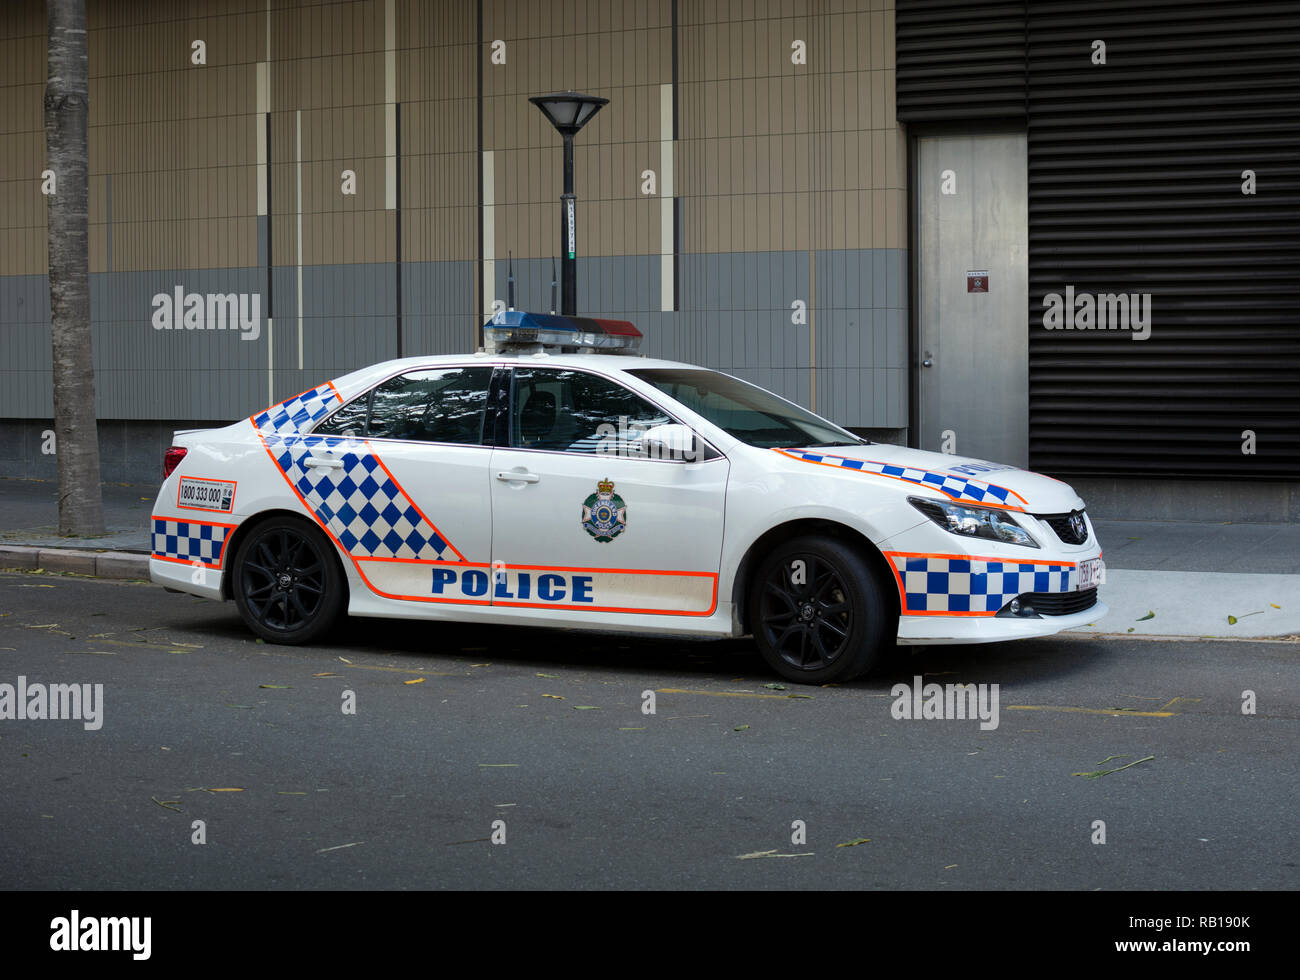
(287, 584)
(818, 612)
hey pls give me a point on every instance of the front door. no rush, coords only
(582, 522)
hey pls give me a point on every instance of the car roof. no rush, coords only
(354, 382)
(606, 362)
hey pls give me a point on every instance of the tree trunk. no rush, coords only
(67, 108)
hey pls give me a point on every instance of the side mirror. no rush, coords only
(676, 442)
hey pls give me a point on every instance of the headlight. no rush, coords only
(974, 522)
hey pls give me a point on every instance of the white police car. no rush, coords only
(598, 490)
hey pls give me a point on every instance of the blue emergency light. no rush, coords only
(515, 328)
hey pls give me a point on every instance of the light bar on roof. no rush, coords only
(515, 327)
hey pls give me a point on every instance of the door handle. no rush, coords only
(518, 477)
(319, 461)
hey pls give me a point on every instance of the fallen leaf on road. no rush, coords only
(772, 854)
(586, 707)
(226, 789)
(418, 680)
(339, 847)
(1142, 619)
(555, 697)
(740, 728)
(855, 843)
(274, 687)
(345, 660)
(775, 687)
(326, 674)
(549, 677)
(1109, 757)
(1106, 772)
(166, 804)
(805, 697)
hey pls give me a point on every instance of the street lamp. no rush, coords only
(568, 112)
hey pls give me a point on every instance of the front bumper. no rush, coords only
(914, 630)
(952, 590)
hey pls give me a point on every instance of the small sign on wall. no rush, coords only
(977, 281)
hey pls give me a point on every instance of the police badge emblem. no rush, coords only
(604, 514)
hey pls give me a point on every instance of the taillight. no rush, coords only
(172, 459)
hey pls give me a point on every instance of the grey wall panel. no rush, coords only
(737, 318)
(437, 334)
(25, 386)
(435, 296)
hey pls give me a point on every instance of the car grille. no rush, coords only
(1060, 525)
(1059, 603)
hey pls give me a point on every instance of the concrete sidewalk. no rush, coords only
(29, 524)
(1163, 578)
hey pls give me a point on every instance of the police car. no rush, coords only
(553, 480)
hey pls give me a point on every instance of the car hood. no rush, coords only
(963, 478)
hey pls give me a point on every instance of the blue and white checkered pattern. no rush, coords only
(974, 585)
(189, 541)
(362, 506)
(956, 487)
(358, 502)
(292, 415)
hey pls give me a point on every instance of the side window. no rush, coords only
(435, 405)
(350, 420)
(578, 412)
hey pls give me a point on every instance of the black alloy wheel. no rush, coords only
(286, 582)
(817, 611)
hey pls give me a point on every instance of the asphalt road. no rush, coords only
(545, 732)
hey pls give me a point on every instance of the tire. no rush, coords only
(821, 622)
(286, 581)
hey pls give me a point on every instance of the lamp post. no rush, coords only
(568, 112)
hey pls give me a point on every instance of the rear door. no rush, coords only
(401, 479)
(582, 521)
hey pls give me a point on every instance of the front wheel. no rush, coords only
(286, 583)
(818, 612)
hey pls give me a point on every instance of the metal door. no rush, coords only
(973, 296)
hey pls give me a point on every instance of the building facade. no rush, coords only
(866, 210)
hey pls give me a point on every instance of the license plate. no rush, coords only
(1091, 574)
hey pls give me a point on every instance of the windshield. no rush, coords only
(749, 413)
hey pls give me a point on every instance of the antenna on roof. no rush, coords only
(510, 279)
(554, 285)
